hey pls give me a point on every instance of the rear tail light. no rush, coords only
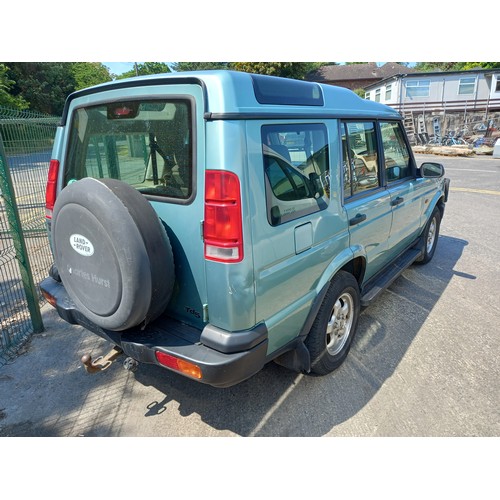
(222, 228)
(178, 364)
(51, 190)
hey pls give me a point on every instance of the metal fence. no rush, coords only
(25, 147)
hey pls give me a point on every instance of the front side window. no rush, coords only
(359, 157)
(297, 172)
(467, 86)
(418, 88)
(396, 153)
(147, 144)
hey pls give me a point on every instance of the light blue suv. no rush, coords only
(210, 222)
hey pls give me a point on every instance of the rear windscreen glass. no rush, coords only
(148, 144)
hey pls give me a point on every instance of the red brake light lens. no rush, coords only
(178, 364)
(222, 229)
(51, 190)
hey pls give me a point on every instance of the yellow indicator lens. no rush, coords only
(189, 368)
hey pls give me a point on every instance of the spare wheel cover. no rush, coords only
(112, 253)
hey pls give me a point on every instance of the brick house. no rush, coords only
(356, 76)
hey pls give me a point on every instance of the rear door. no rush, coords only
(367, 202)
(407, 194)
(296, 227)
(152, 138)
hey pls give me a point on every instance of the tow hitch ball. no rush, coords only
(104, 362)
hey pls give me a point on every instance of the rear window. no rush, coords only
(148, 144)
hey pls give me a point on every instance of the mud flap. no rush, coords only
(297, 360)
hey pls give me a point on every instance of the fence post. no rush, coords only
(7, 191)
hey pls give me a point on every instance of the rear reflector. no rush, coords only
(51, 190)
(179, 365)
(222, 228)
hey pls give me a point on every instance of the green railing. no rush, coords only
(25, 146)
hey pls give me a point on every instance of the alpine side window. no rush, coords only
(396, 153)
(359, 157)
(296, 168)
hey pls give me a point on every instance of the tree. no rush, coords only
(87, 74)
(6, 99)
(455, 66)
(482, 65)
(199, 66)
(402, 63)
(146, 68)
(44, 85)
(297, 70)
(437, 66)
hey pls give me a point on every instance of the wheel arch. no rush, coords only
(439, 200)
(356, 267)
(351, 260)
(441, 204)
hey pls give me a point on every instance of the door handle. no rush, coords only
(356, 220)
(397, 201)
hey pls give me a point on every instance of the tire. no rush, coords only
(112, 253)
(333, 330)
(430, 237)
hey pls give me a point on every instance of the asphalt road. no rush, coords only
(424, 362)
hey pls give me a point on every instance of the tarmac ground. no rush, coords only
(424, 364)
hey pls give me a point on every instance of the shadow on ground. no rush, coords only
(60, 399)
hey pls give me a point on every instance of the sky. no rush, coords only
(118, 68)
(352, 32)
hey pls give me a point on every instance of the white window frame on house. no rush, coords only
(418, 88)
(497, 86)
(377, 95)
(467, 85)
(388, 92)
(367, 95)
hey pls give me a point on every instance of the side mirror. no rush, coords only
(393, 173)
(431, 170)
(275, 215)
(316, 183)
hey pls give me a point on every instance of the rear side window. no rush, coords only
(147, 144)
(296, 168)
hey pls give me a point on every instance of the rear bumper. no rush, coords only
(229, 358)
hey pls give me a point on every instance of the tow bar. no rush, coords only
(102, 362)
